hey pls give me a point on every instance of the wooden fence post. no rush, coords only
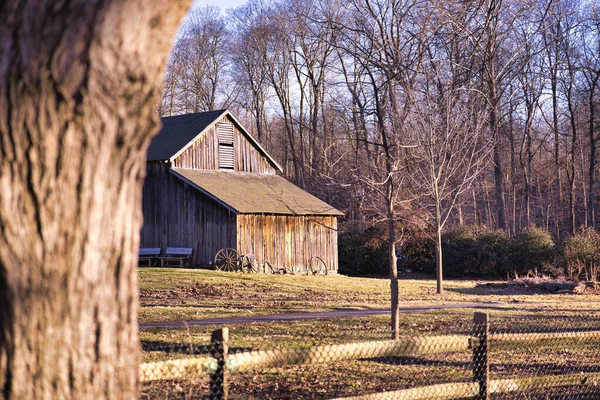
(481, 362)
(219, 380)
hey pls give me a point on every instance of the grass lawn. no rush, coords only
(173, 294)
(180, 294)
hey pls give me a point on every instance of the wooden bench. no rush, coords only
(148, 256)
(176, 257)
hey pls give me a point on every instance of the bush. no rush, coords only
(530, 250)
(492, 253)
(582, 254)
(471, 251)
(459, 252)
(419, 255)
(362, 254)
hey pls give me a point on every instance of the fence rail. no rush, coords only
(220, 364)
(472, 389)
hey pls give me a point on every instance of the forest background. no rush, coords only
(470, 126)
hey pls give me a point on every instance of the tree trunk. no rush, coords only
(476, 219)
(493, 94)
(438, 250)
(555, 112)
(394, 293)
(592, 155)
(78, 90)
(395, 306)
(498, 169)
(573, 159)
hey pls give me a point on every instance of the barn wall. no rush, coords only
(204, 153)
(178, 215)
(288, 241)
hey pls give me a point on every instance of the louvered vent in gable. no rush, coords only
(226, 153)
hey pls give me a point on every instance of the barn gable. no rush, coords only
(210, 141)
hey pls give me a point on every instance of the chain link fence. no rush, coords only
(520, 358)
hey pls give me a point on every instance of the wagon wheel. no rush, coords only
(248, 264)
(316, 266)
(227, 260)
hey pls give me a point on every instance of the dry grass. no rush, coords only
(173, 294)
(179, 294)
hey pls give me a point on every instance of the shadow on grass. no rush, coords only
(555, 313)
(499, 291)
(512, 368)
(183, 348)
(418, 361)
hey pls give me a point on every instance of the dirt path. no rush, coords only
(339, 313)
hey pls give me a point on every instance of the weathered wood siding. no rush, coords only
(288, 241)
(204, 153)
(178, 215)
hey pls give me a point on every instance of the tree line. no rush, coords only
(416, 114)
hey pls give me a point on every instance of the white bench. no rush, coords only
(148, 256)
(176, 257)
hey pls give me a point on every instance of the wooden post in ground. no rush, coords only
(481, 364)
(219, 380)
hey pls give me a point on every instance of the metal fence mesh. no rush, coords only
(546, 357)
(537, 357)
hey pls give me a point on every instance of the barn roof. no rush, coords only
(246, 193)
(181, 131)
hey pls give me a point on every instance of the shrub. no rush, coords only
(530, 250)
(582, 254)
(459, 252)
(419, 255)
(470, 251)
(473, 251)
(492, 253)
(361, 254)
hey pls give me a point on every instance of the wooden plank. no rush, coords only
(177, 369)
(504, 339)
(411, 346)
(149, 251)
(439, 391)
(471, 389)
(176, 215)
(546, 381)
(178, 251)
(204, 153)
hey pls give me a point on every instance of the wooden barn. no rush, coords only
(210, 186)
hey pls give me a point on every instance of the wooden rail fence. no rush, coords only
(220, 364)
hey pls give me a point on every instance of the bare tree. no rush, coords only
(448, 154)
(248, 51)
(78, 90)
(590, 68)
(202, 47)
(569, 82)
(172, 85)
(448, 149)
(390, 59)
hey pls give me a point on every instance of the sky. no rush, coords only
(222, 4)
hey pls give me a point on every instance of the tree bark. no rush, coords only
(438, 251)
(498, 168)
(592, 152)
(79, 84)
(394, 292)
